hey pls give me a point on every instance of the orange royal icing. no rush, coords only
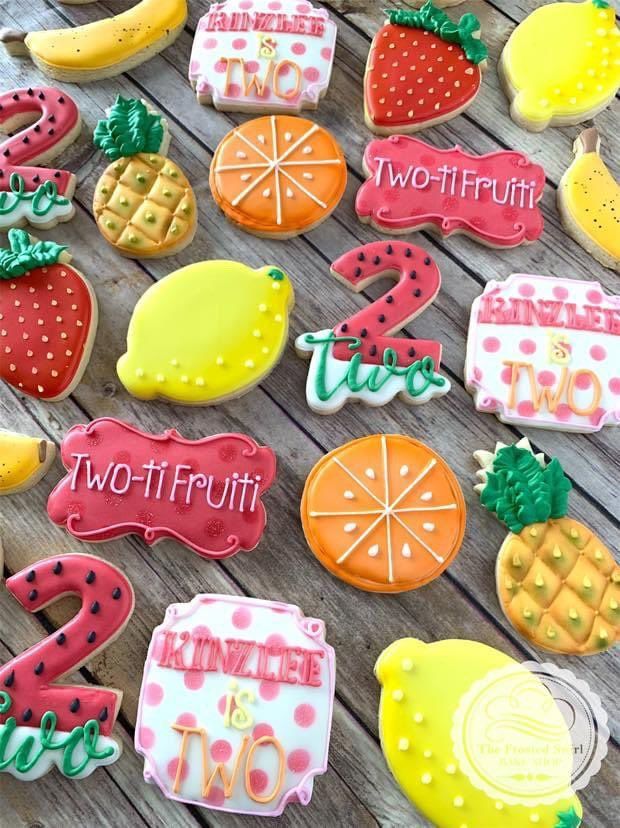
(385, 513)
(278, 175)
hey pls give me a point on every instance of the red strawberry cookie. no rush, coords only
(48, 318)
(422, 69)
(278, 176)
(385, 513)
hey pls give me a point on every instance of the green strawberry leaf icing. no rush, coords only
(22, 255)
(129, 129)
(431, 19)
(521, 491)
(568, 819)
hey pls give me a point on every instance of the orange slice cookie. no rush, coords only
(278, 175)
(385, 513)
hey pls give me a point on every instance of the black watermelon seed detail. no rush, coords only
(37, 128)
(357, 272)
(92, 635)
(74, 706)
(360, 257)
(427, 261)
(1, 173)
(33, 595)
(413, 275)
(16, 97)
(372, 350)
(35, 178)
(411, 352)
(90, 577)
(94, 607)
(408, 253)
(363, 332)
(61, 99)
(417, 292)
(381, 317)
(30, 92)
(39, 668)
(103, 716)
(376, 260)
(389, 250)
(52, 119)
(31, 576)
(57, 568)
(26, 139)
(10, 679)
(57, 174)
(389, 299)
(41, 96)
(116, 593)
(27, 714)
(6, 153)
(61, 638)
(50, 131)
(344, 327)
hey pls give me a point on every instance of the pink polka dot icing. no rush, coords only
(269, 690)
(546, 378)
(527, 346)
(153, 694)
(305, 714)
(146, 737)
(259, 781)
(173, 769)
(187, 720)
(221, 750)
(614, 385)
(242, 618)
(526, 289)
(598, 353)
(491, 344)
(298, 48)
(262, 730)
(298, 760)
(193, 680)
(594, 296)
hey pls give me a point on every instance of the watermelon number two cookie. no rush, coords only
(422, 69)
(561, 65)
(557, 583)
(236, 705)
(143, 204)
(589, 201)
(385, 513)
(278, 176)
(48, 318)
(44, 723)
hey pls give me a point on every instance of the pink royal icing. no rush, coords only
(263, 55)
(411, 184)
(203, 493)
(236, 704)
(544, 351)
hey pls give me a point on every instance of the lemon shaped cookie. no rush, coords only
(23, 461)
(437, 707)
(207, 333)
(561, 65)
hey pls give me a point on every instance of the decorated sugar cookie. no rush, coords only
(144, 205)
(589, 201)
(45, 723)
(48, 318)
(23, 461)
(414, 186)
(261, 57)
(204, 493)
(544, 351)
(104, 48)
(557, 583)
(422, 69)
(385, 513)
(423, 687)
(561, 64)
(42, 122)
(225, 327)
(359, 359)
(278, 176)
(236, 704)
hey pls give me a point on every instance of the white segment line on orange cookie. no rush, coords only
(388, 510)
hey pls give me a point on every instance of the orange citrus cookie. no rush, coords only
(384, 513)
(278, 176)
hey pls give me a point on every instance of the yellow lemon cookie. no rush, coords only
(105, 47)
(589, 201)
(23, 461)
(207, 332)
(561, 66)
(423, 689)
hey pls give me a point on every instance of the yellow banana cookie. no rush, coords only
(105, 47)
(206, 333)
(561, 65)
(424, 687)
(23, 461)
(589, 201)
(144, 205)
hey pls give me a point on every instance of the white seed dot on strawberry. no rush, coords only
(30, 290)
(12, 367)
(40, 388)
(45, 339)
(54, 374)
(35, 371)
(17, 303)
(50, 355)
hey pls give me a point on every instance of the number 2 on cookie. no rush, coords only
(360, 358)
(48, 723)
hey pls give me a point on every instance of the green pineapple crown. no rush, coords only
(25, 253)
(465, 33)
(520, 487)
(130, 128)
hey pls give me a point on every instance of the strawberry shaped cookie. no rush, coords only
(48, 318)
(422, 69)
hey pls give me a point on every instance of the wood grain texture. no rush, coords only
(358, 789)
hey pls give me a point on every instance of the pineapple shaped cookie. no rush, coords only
(144, 205)
(557, 583)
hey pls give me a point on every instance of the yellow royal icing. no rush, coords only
(110, 41)
(422, 685)
(23, 461)
(562, 64)
(207, 332)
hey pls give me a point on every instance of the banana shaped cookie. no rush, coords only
(23, 461)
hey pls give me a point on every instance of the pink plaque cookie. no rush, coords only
(546, 352)
(236, 704)
(263, 56)
(412, 185)
(203, 493)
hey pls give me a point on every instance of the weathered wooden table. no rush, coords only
(358, 789)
